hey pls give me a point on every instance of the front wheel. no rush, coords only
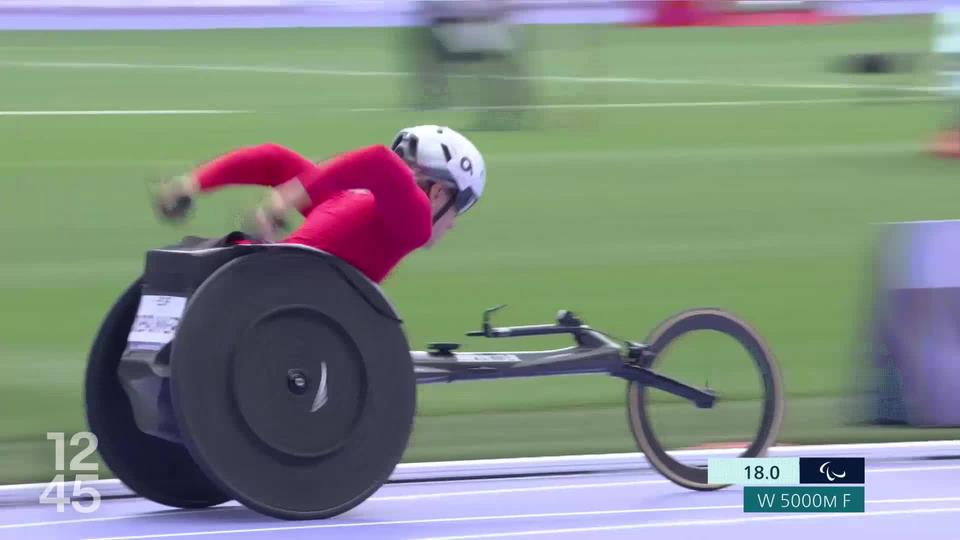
(753, 405)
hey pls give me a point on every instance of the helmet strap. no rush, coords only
(446, 208)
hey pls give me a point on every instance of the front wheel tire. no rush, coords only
(638, 396)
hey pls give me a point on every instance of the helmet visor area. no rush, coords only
(465, 199)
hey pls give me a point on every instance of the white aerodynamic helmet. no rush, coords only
(445, 156)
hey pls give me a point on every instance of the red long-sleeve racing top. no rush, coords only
(365, 206)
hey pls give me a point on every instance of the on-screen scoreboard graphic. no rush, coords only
(794, 484)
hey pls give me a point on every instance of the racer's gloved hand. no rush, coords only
(266, 224)
(172, 201)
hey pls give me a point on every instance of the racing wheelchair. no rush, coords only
(296, 395)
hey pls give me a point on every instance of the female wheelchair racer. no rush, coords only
(165, 408)
(371, 206)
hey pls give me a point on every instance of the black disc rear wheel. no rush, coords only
(154, 468)
(649, 423)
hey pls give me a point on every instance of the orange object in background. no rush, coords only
(669, 13)
(677, 13)
(947, 144)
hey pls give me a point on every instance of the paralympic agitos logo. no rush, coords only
(825, 470)
(832, 470)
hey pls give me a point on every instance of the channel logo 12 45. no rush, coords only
(84, 498)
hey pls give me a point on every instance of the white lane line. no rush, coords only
(406, 521)
(284, 70)
(658, 104)
(480, 108)
(554, 156)
(145, 515)
(294, 70)
(916, 469)
(113, 483)
(146, 112)
(588, 513)
(93, 483)
(101, 163)
(640, 153)
(856, 449)
(692, 523)
(914, 501)
(557, 485)
(552, 487)
(419, 522)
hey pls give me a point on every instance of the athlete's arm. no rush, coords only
(268, 165)
(402, 205)
(262, 165)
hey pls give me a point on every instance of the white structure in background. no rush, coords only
(946, 44)
(196, 14)
(915, 324)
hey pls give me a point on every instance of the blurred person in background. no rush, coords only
(478, 38)
(370, 207)
(946, 48)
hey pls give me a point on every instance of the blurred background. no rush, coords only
(644, 157)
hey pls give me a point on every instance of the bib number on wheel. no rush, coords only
(157, 320)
